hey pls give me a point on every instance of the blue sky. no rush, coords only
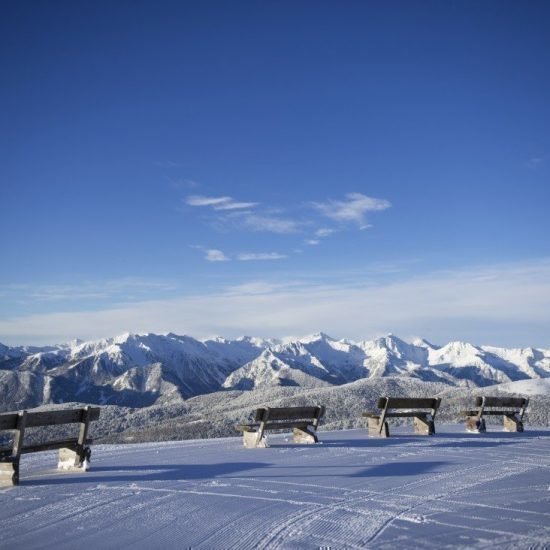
(276, 169)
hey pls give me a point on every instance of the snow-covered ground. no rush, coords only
(453, 490)
(539, 386)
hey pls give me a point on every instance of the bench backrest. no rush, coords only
(269, 414)
(505, 402)
(9, 421)
(408, 403)
(22, 420)
(387, 403)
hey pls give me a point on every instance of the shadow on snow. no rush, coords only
(149, 472)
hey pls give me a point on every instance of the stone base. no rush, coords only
(303, 435)
(252, 440)
(424, 426)
(375, 429)
(72, 460)
(9, 474)
(475, 425)
(513, 424)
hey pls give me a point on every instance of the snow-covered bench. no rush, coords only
(74, 453)
(512, 410)
(304, 422)
(422, 410)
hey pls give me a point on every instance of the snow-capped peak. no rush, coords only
(316, 337)
(423, 343)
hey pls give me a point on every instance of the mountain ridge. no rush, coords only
(139, 370)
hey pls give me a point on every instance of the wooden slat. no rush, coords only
(489, 412)
(411, 403)
(407, 414)
(53, 418)
(6, 452)
(501, 401)
(8, 421)
(52, 445)
(286, 425)
(260, 413)
(381, 403)
(289, 413)
(247, 427)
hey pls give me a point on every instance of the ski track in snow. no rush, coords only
(350, 491)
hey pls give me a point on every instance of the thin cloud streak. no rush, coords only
(353, 209)
(261, 256)
(271, 224)
(218, 203)
(505, 305)
(214, 255)
(324, 232)
(88, 290)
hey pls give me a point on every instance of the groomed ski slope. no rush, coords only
(453, 490)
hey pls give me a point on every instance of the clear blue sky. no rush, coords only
(275, 168)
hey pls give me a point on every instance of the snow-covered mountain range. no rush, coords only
(142, 370)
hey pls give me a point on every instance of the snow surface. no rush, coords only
(350, 491)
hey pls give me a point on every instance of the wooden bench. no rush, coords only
(74, 453)
(422, 410)
(512, 410)
(304, 422)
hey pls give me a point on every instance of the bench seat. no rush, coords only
(74, 452)
(488, 412)
(54, 445)
(511, 409)
(302, 420)
(403, 407)
(410, 414)
(271, 426)
(6, 452)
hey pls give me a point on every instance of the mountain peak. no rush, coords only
(390, 341)
(423, 343)
(461, 347)
(316, 337)
(193, 367)
(123, 338)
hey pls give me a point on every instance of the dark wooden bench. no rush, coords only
(511, 409)
(422, 410)
(304, 422)
(74, 453)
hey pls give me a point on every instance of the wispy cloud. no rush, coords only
(502, 305)
(324, 232)
(353, 209)
(218, 203)
(116, 289)
(272, 224)
(321, 233)
(535, 162)
(261, 256)
(213, 255)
